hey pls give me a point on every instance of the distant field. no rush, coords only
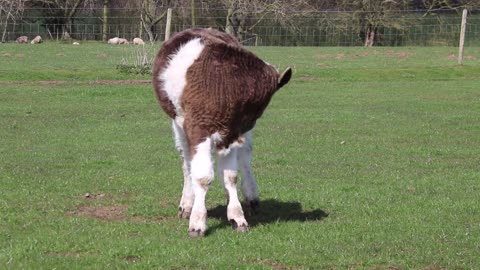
(368, 159)
(94, 61)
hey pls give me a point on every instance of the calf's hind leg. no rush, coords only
(186, 202)
(228, 173)
(249, 184)
(202, 175)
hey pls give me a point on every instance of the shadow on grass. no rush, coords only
(270, 211)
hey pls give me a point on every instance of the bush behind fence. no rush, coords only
(317, 29)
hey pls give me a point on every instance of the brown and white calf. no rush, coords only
(214, 90)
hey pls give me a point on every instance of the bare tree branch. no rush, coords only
(369, 15)
(13, 10)
(244, 15)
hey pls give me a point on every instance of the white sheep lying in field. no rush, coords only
(138, 41)
(117, 40)
(123, 41)
(113, 40)
(214, 90)
(36, 40)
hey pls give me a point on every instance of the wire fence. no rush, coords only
(402, 28)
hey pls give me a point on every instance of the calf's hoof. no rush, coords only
(183, 213)
(196, 233)
(252, 207)
(239, 228)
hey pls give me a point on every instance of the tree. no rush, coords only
(243, 15)
(369, 15)
(434, 5)
(10, 10)
(152, 12)
(150, 16)
(63, 12)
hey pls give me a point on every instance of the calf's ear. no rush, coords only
(284, 77)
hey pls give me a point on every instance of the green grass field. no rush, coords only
(367, 159)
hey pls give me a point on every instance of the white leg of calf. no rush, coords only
(249, 184)
(188, 196)
(201, 172)
(228, 170)
(186, 202)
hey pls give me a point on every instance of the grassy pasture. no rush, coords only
(368, 159)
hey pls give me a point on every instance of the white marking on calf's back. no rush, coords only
(173, 76)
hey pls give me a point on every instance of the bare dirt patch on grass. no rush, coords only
(113, 213)
(399, 55)
(323, 56)
(453, 57)
(273, 264)
(90, 196)
(77, 253)
(450, 57)
(402, 55)
(269, 263)
(19, 55)
(132, 258)
(33, 82)
(121, 82)
(305, 79)
(110, 212)
(434, 266)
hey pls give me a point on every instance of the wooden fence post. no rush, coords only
(462, 37)
(169, 24)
